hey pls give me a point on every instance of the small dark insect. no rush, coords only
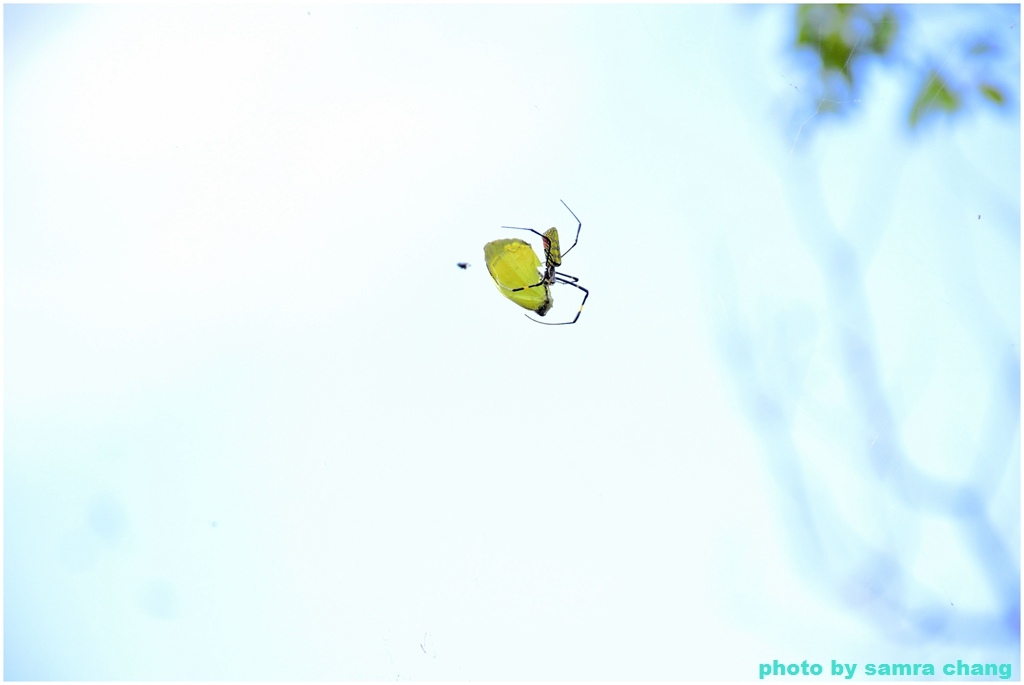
(979, 216)
(463, 265)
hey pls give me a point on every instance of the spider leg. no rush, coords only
(579, 225)
(562, 278)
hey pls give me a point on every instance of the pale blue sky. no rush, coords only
(258, 425)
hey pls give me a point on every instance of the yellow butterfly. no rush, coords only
(517, 270)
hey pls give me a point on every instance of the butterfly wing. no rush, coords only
(513, 264)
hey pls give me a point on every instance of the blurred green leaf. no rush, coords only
(885, 31)
(992, 93)
(982, 47)
(840, 37)
(934, 97)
